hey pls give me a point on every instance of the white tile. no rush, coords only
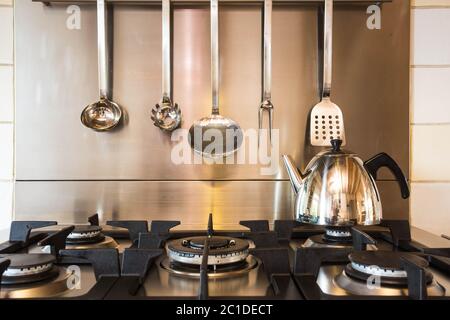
(6, 203)
(430, 40)
(430, 153)
(429, 3)
(6, 151)
(430, 95)
(430, 207)
(4, 234)
(6, 35)
(6, 93)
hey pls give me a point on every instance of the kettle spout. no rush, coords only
(294, 174)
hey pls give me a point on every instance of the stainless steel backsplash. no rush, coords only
(67, 172)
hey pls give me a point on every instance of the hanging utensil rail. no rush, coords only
(185, 2)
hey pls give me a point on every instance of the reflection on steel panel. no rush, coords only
(188, 201)
(57, 78)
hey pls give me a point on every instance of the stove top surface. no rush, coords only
(290, 261)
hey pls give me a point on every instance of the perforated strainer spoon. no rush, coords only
(326, 120)
(215, 135)
(166, 115)
(104, 114)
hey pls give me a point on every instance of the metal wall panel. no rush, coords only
(188, 201)
(56, 77)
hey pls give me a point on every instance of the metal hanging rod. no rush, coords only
(154, 2)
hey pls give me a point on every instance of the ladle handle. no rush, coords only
(267, 78)
(215, 56)
(327, 49)
(102, 39)
(166, 49)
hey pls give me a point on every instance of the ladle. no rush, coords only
(215, 135)
(104, 114)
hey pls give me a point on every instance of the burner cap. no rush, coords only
(223, 250)
(385, 264)
(214, 242)
(85, 234)
(25, 268)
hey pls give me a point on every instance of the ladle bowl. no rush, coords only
(215, 136)
(102, 115)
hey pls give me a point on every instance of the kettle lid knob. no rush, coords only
(336, 145)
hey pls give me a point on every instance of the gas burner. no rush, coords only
(338, 234)
(383, 264)
(222, 250)
(214, 271)
(319, 241)
(334, 237)
(85, 234)
(89, 237)
(28, 268)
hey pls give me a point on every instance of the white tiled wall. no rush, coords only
(430, 115)
(6, 114)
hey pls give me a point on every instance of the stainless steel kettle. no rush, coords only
(339, 189)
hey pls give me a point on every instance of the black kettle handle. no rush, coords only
(384, 160)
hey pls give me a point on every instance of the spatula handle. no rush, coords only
(328, 49)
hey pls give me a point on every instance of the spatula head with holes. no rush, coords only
(327, 123)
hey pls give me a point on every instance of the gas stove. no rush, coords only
(382, 262)
(291, 261)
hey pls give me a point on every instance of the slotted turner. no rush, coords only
(326, 120)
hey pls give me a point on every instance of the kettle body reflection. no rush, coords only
(339, 189)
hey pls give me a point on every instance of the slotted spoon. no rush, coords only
(166, 115)
(326, 120)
